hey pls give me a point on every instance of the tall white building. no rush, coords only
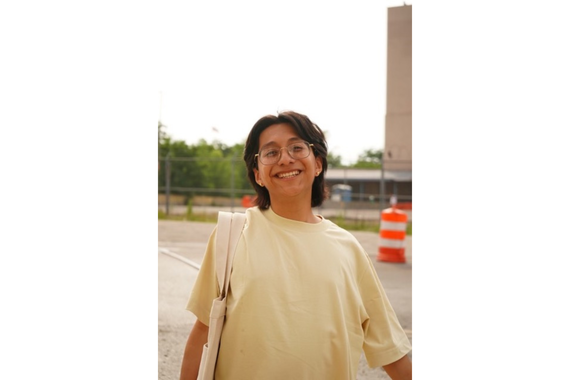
(398, 126)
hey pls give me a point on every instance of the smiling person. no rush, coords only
(305, 300)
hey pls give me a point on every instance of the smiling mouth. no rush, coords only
(289, 174)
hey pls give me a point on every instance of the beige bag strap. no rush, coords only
(230, 226)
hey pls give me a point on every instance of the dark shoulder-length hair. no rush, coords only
(308, 131)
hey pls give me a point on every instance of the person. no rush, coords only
(305, 299)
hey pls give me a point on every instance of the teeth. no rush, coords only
(288, 175)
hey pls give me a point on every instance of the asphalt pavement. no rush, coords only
(181, 245)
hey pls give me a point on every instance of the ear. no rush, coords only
(319, 164)
(257, 176)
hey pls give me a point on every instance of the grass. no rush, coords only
(347, 224)
(363, 225)
(355, 224)
(190, 217)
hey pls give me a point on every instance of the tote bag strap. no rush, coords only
(230, 226)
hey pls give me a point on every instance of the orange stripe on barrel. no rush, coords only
(394, 217)
(392, 251)
(387, 234)
(394, 255)
(392, 236)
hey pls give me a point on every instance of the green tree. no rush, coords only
(202, 166)
(235, 154)
(334, 161)
(182, 173)
(213, 167)
(161, 132)
(370, 159)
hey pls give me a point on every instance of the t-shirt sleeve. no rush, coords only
(384, 338)
(206, 287)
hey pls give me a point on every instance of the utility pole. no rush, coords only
(382, 188)
(167, 195)
(159, 127)
(232, 195)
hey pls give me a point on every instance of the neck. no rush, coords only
(301, 212)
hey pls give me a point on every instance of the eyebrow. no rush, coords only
(291, 140)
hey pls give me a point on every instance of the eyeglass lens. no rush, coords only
(296, 151)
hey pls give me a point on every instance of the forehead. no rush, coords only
(278, 134)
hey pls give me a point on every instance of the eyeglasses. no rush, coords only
(297, 151)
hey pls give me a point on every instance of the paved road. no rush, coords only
(176, 278)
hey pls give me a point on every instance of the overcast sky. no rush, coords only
(221, 73)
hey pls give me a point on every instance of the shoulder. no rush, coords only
(340, 233)
(252, 213)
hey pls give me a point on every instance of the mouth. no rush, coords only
(290, 174)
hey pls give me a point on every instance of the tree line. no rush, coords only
(213, 168)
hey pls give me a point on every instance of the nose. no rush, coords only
(284, 158)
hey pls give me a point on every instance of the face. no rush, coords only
(288, 177)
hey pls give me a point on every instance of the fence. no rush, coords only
(223, 182)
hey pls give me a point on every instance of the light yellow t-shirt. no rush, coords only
(304, 302)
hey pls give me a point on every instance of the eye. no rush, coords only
(270, 153)
(298, 147)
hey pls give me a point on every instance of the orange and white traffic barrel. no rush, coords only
(247, 201)
(392, 247)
